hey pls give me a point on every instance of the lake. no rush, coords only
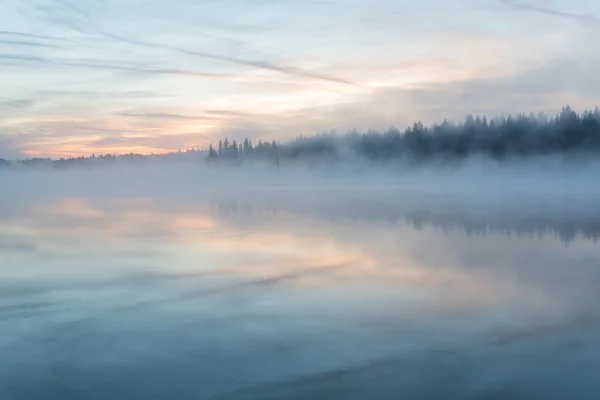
(312, 292)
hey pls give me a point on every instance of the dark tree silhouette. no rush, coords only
(511, 136)
(212, 154)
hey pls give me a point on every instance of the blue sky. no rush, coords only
(83, 76)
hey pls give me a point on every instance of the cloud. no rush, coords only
(98, 94)
(150, 143)
(261, 64)
(14, 103)
(65, 137)
(28, 35)
(26, 44)
(227, 113)
(171, 116)
(583, 18)
(58, 12)
(70, 15)
(102, 65)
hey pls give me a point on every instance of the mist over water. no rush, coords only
(188, 282)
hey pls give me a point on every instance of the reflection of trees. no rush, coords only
(567, 229)
(476, 220)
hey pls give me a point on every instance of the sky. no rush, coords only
(150, 76)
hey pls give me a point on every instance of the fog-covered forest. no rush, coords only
(499, 138)
(514, 136)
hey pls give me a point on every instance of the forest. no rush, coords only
(498, 138)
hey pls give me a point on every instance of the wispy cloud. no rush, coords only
(26, 44)
(228, 113)
(169, 142)
(15, 103)
(261, 64)
(98, 94)
(171, 116)
(29, 35)
(60, 13)
(583, 18)
(69, 15)
(103, 65)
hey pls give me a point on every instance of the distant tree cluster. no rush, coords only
(231, 151)
(104, 159)
(519, 135)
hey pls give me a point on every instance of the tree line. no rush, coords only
(507, 136)
(503, 137)
(193, 154)
(233, 151)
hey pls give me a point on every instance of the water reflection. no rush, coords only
(348, 294)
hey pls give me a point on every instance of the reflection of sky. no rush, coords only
(128, 290)
(90, 238)
(148, 76)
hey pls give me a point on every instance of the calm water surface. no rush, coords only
(343, 294)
